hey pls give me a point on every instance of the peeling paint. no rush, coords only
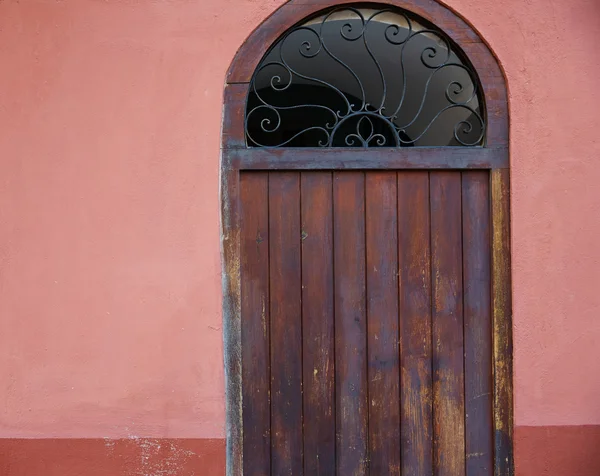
(159, 459)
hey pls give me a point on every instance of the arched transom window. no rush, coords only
(365, 77)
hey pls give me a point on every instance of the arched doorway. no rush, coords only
(365, 195)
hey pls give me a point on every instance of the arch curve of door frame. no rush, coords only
(235, 157)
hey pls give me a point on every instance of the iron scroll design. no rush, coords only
(360, 77)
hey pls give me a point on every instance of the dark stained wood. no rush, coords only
(502, 323)
(415, 323)
(350, 323)
(484, 63)
(477, 323)
(286, 323)
(493, 156)
(234, 134)
(413, 256)
(318, 323)
(447, 316)
(254, 195)
(356, 158)
(382, 322)
(493, 85)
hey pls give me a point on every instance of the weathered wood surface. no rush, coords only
(234, 131)
(317, 323)
(286, 323)
(447, 313)
(415, 323)
(350, 323)
(256, 409)
(382, 318)
(477, 323)
(502, 323)
(494, 156)
(232, 352)
(358, 281)
(355, 158)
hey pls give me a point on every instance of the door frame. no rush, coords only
(493, 156)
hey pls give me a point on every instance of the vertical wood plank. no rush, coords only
(447, 312)
(317, 323)
(255, 322)
(502, 323)
(350, 323)
(286, 323)
(232, 333)
(414, 256)
(382, 322)
(477, 321)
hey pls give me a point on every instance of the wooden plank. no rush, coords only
(382, 322)
(254, 195)
(477, 323)
(502, 323)
(230, 246)
(350, 323)
(447, 313)
(318, 323)
(286, 323)
(234, 128)
(356, 158)
(415, 323)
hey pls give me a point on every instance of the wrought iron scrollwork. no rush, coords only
(357, 77)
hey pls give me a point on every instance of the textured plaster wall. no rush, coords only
(110, 112)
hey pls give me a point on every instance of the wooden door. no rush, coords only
(366, 323)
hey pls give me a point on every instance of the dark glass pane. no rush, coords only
(364, 78)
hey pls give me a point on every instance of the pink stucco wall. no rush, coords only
(110, 294)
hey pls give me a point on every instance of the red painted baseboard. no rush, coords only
(105, 457)
(539, 451)
(557, 450)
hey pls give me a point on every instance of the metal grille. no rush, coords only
(360, 77)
